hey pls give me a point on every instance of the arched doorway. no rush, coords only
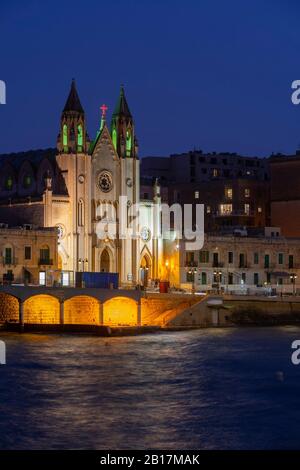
(145, 270)
(105, 261)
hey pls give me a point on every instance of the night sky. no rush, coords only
(214, 75)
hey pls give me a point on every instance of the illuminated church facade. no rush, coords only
(73, 188)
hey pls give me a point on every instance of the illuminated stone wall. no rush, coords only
(120, 311)
(41, 309)
(9, 308)
(158, 310)
(82, 310)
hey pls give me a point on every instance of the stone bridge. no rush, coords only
(59, 305)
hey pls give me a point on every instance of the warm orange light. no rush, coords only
(82, 309)
(120, 311)
(41, 309)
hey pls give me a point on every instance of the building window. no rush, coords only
(247, 209)
(65, 279)
(204, 256)
(228, 193)
(65, 136)
(259, 210)
(255, 258)
(203, 278)
(27, 252)
(8, 256)
(230, 278)
(128, 143)
(215, 260)
(190, 258)
(243, 278)
(242, 260)
(45, 255)
(215, 172)
(280, 258)
(291, 261)
(208, 209)
(255, 279)
(79, 137)
(247, 192)
(42, 278)
(114, 137)
(225, 209)
(268, 278)
(196, 194)
(27, 181)
(230, 257)
(267, 261)
(190, 276)
(80, 213)
(9, 183)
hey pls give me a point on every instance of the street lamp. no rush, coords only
(293, 278)
(218, 275)
(82, 261)
(193, 271)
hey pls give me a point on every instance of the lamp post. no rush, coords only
(293, 278)
(193, 271)
(218, 275)
(82, 261)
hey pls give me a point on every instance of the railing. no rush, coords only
(45, 262)
(218, 264)
(191, 264)
(9, 260)
(234, 214)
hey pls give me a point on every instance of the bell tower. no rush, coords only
(73, 137)
(122, 129)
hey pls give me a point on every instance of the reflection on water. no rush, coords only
(206, 389)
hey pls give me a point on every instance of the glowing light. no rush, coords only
(120, 311)
(41, 309)
(81, 309)
(65, 135)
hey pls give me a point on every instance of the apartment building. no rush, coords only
(244, 264)
(28, 255)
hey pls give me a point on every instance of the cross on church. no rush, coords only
(103, 108)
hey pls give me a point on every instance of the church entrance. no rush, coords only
(145, 270)
(105, 262)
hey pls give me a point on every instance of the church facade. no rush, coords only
(83, 189)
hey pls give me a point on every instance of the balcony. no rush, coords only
(217, 264)
(191, 264)
(234, 214)
(9, 260)
(45, 262)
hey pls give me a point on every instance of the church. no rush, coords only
(72, 189)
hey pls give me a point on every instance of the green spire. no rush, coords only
(122, 108)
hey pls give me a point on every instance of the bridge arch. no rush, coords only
(81, 309)
(41, 308)
(120, 311)
(9, 308)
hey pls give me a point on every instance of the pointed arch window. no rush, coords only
(128, 143)
(9, 183)
(65, 137)
(80, 213)
(27, 181)
(114, 137)
(79, 137)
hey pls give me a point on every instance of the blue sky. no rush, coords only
(211, 75)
